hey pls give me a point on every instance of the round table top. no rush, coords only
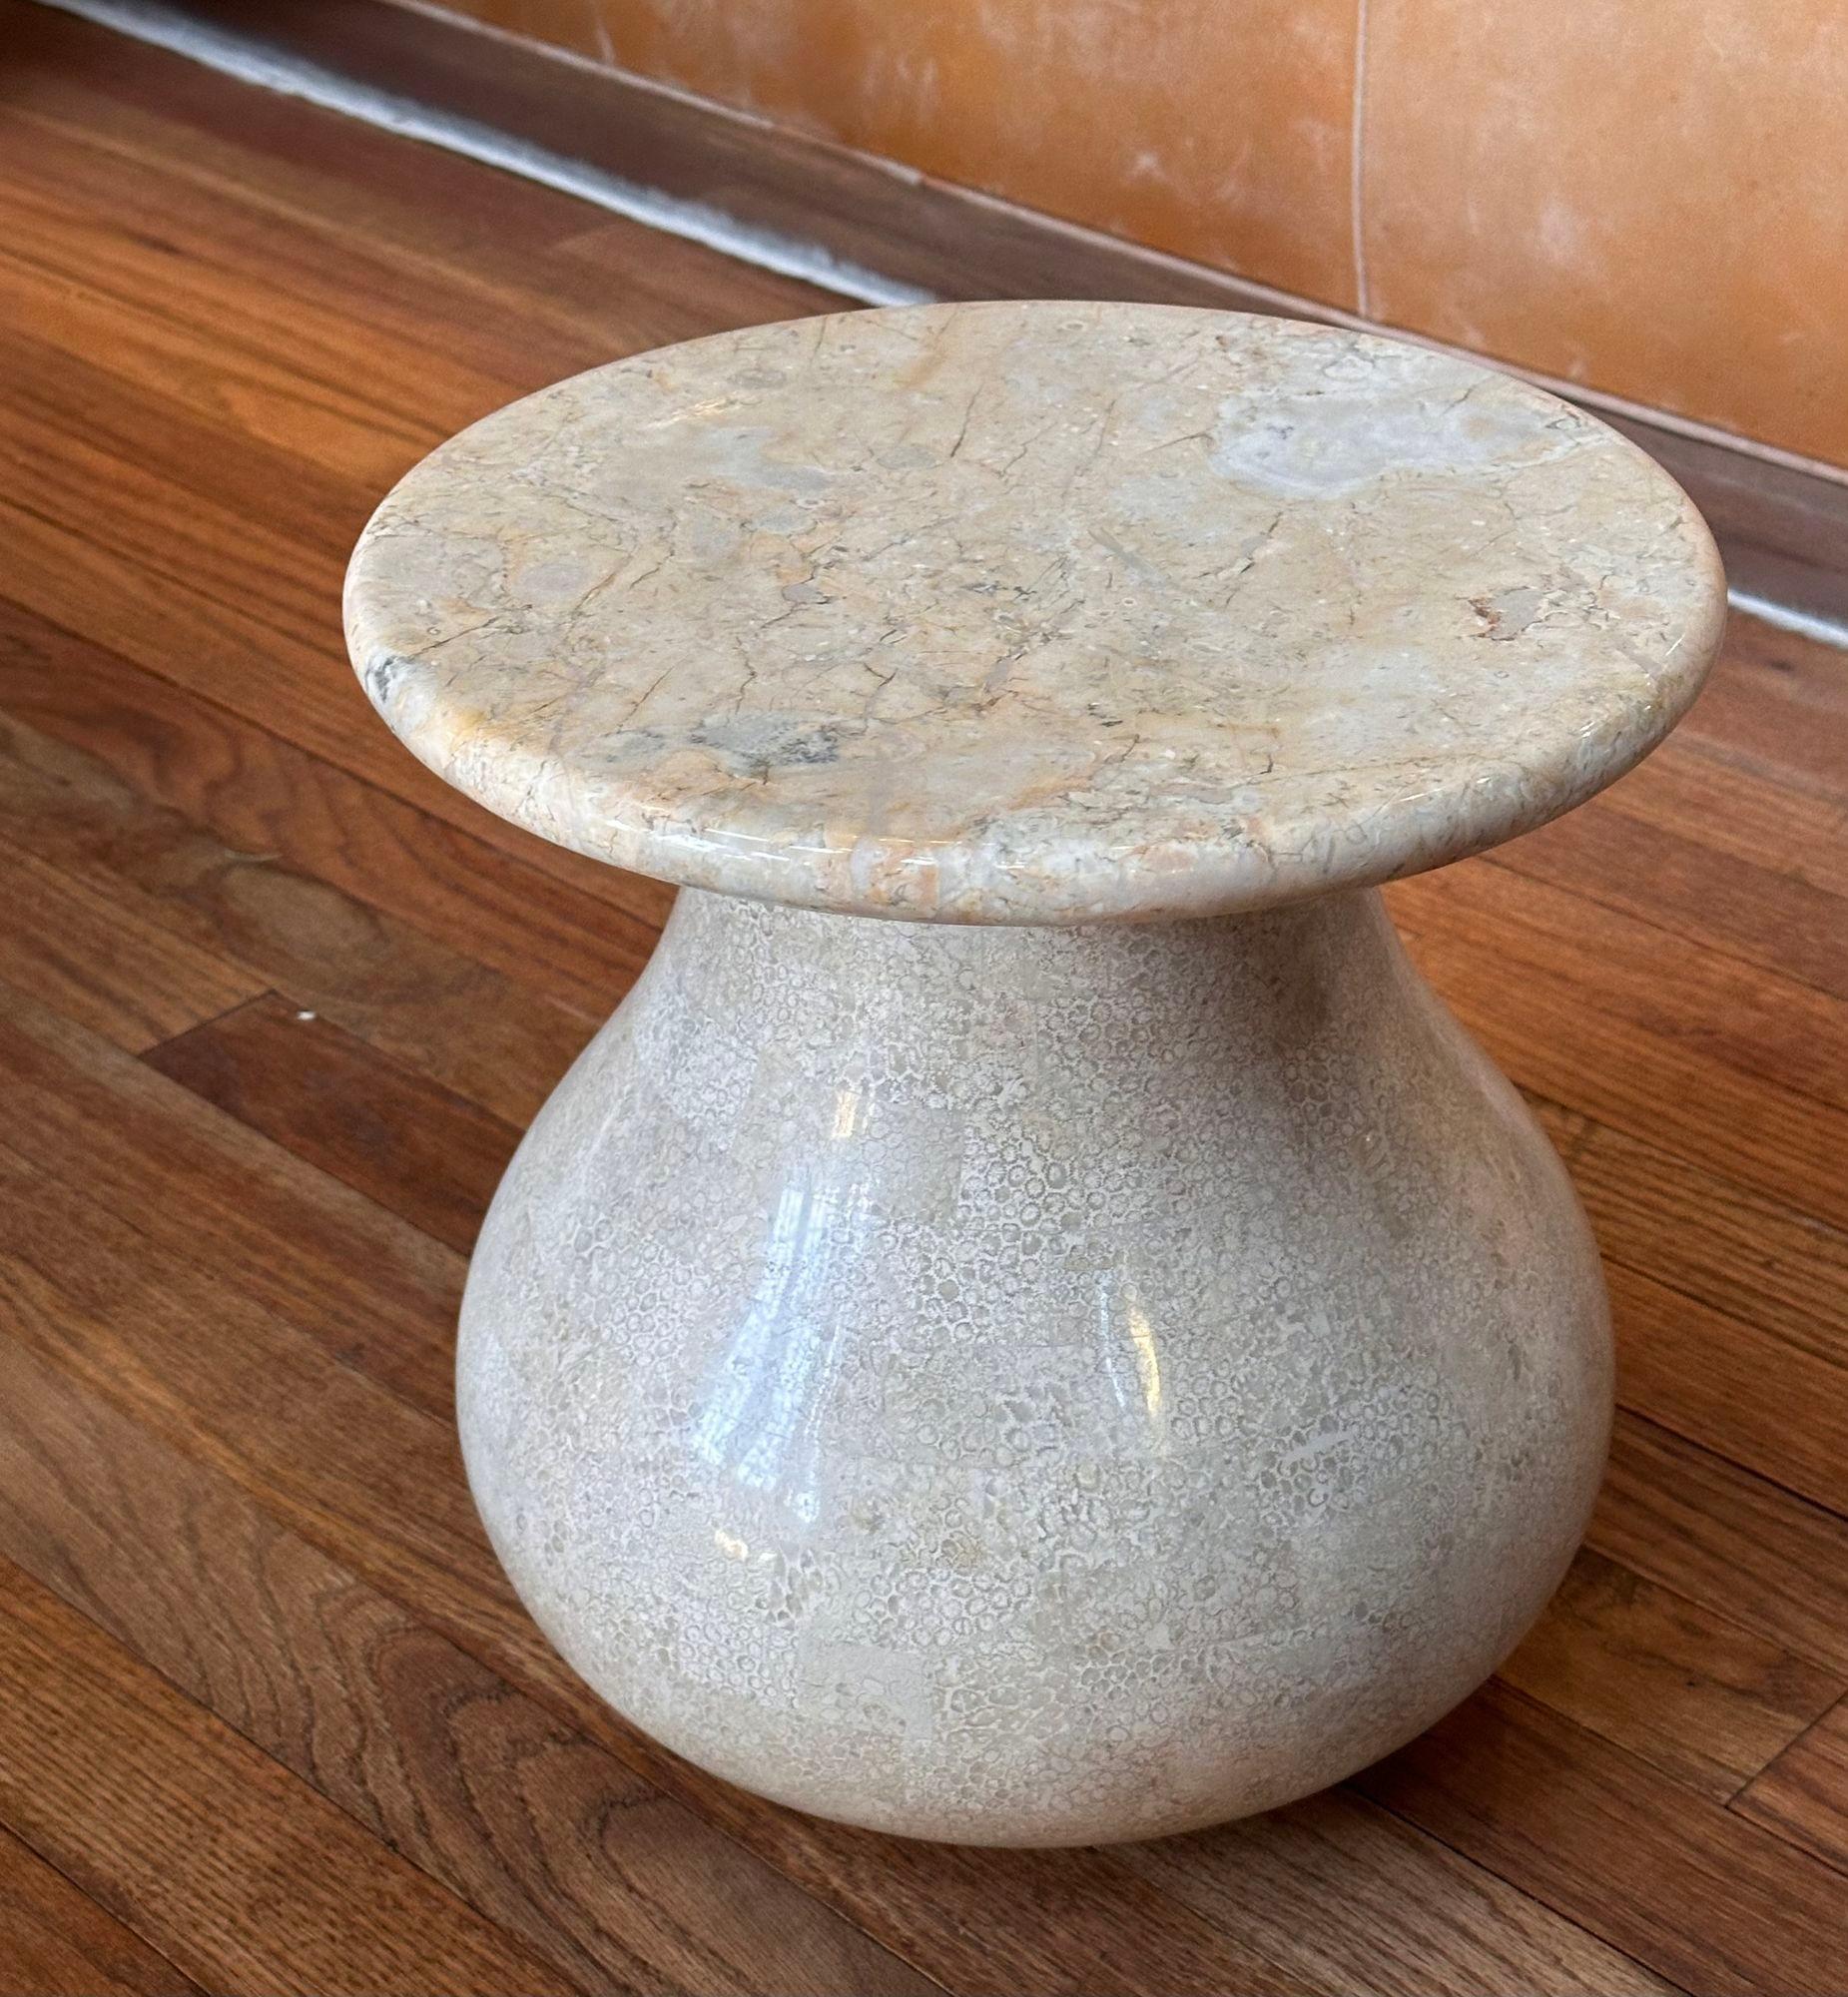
(1034, 612)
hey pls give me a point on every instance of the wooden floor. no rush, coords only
(276, 1003)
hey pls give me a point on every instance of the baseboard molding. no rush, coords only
(880, 231)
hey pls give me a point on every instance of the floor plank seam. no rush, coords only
(202, 1025)
(1529, 1892)
(120, 1917)
(293, 1776)
(346, 771)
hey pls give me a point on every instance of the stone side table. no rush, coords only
(1032, 1324)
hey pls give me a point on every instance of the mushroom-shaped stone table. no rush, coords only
(1030, 1324)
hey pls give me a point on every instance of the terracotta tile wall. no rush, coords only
(1650, 197)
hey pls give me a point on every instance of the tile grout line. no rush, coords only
(163, 24)
(1357, 166)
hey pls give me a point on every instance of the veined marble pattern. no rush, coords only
(1015, 1375)
(1033, 1385)
(1034, 612)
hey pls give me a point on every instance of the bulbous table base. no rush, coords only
(1033, 1386)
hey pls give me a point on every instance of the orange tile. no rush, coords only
(1650, 198)
(1217, 129)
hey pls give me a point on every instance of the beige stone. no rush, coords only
(1034, 612)
(1015, 1375)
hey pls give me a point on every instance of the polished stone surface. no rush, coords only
(1034, 612)
(1033, 1386)
(1018, 1375)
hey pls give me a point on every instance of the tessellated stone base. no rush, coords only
(1033, 1386)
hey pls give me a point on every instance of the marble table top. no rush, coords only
(1034, 612)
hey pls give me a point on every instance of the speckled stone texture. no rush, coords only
(1101, 1352)
(1033, 1386)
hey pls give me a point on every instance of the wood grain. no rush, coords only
(1740, 1544)
(1575, 1008)
(1803, 1794)
(54, 1942)
(380, 1295)
(1752, 1020)
(122, 757)
(1690, 1692)
(1709, 794)
(274, 1717)
(481, 1032)
(1724, 1384)
(106, 966)
(1417, 1918)
(231, 1867)
(383, 1130)
(439, 1759)
(1754, 1259)
(1782, 709)
(1688, 1887)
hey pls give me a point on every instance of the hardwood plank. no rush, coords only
(401, 1141)
(1545, 1027)
(227, 1863)
(54, 1942)
(1737, 1543)
(304, 164)
(1701, 1349)
(137, 747)
(365, 1474)
(105, 965)
(1687, 1689)
(1780, 706)
(1710, 797)
(121, 556)
(1414, 1917)
(476, 1785)
(1748, 1018)
(1741, 1392)
(65, 388)
(352, 324)
(475, 1030)
(1760, 913)
(1803, 1794)
(251, 398)
(379, 1293)
(584, 284)
(1684, 1886)
(380, 1491)
(1753, 1257)
(335, 288)
(260, 592)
